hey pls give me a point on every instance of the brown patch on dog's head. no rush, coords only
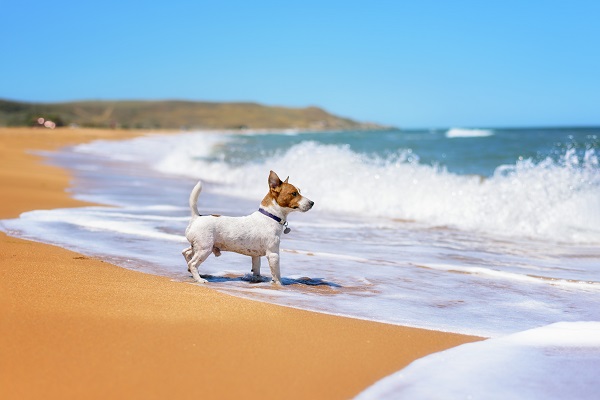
(283, 193)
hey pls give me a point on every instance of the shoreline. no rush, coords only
(74, 326)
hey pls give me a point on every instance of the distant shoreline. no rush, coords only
(173, 115)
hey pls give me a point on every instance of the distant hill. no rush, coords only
(173, 115)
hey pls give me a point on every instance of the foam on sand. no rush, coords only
(557, 361)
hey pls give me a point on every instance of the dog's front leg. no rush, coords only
(256, 266)
(273, 259)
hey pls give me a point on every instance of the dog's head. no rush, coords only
(287, 195)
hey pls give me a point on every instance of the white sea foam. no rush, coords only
(558, 361)
(468, 133)
(94, 219)
(146, 149)
(558, 200)
(505, 275)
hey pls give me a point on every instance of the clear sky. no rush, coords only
(415, 63)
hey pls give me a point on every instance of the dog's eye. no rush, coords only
(295, 194)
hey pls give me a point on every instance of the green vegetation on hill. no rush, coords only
(173, 115)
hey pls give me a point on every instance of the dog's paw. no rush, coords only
(276, 282)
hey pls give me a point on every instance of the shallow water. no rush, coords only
(427, 271)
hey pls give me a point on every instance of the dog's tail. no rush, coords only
(194, 199)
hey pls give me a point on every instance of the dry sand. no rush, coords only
(72, 327)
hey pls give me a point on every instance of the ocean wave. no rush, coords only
(466, 133)
(548, 199)
(506, 275)
(557, 200)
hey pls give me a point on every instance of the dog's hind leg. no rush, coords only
(255, 268)
(188, 252)
(198, 258)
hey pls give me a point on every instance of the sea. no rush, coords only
(487, 232)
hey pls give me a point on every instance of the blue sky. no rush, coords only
(403, 63)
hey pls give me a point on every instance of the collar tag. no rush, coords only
(286, 230)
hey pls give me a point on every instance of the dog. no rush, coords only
(255, 235)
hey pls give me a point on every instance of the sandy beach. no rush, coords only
(77, 327)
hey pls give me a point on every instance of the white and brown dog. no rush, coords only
(254, 235)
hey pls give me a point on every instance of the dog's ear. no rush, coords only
(274, 181)
(286, 180)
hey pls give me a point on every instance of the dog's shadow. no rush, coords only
(262, 279)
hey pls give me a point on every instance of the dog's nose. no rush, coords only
(312, 203)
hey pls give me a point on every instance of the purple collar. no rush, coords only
(276, 218)
(268, 214)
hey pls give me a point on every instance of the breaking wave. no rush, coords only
(556, 199)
